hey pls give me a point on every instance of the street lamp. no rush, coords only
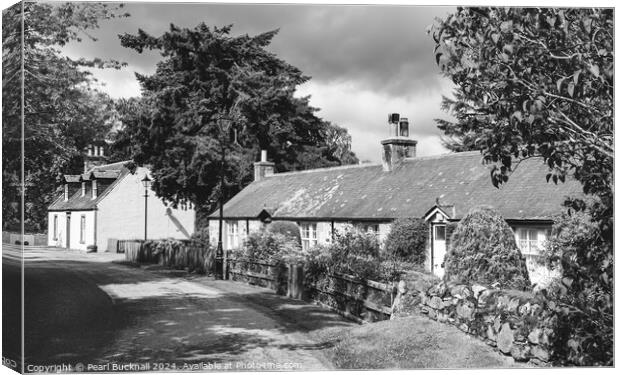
(224, 125)
(146, 182)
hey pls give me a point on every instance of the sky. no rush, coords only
(364, 61)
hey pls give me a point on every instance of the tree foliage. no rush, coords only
(539, 82)
(483, 250)
(585, 291)
(62, 115)
(532, 82)
(215, 94)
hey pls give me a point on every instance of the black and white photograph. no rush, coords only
(307, 186)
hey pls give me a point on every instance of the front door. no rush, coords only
(439, 248)
(68, 231)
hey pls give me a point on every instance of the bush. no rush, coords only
(317, 264)
(407, 240)
(585, 292)
(483, 250)
(356, 253)
(287, 228)
(269, 246)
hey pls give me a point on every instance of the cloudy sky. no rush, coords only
(365, 61)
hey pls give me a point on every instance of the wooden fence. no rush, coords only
(264, 274)
(359, 300)
(130, 248)
(176, 254)
(356, 299)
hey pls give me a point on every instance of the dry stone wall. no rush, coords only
(518, 324)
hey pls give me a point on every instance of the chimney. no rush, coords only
(398, 145)
(263, 168)
(94, 157)
(94, 189)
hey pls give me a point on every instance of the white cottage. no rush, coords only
(107, 202)
(441, 189)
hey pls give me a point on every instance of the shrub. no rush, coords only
(407, 240)
(483, 250)
(317, 264)
(585, 292)
(356, 253)
(286, 228)
(268, 246)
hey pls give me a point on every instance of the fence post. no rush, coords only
(295, 281)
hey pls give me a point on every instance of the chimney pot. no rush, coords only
(398, 146)
(263, 168)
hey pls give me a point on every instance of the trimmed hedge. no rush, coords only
(483, 250)
(407, 240)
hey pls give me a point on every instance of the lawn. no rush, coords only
(407, 343)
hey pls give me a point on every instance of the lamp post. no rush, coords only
(224, 124)
(146, 182)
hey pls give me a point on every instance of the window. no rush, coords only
(308, 235)
(440, 232)
(83, 188)
(370, 228)
(83, 229)
(530, 241)
(55, 227)
(233, 234)
(66, 192)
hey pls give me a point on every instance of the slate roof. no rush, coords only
(78, 202)
(365, 192)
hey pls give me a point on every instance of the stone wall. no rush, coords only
(518, 324)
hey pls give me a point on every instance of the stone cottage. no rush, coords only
(441, 189)
(107, 202)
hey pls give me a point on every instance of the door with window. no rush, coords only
(439, 249)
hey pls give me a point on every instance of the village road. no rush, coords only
(90, 309)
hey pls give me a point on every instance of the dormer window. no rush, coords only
(66, 192)
(83, 188)
(94, 189)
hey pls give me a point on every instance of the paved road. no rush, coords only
(90, 309)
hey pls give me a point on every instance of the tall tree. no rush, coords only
(61, 114)
(214, 93)
(539, 82)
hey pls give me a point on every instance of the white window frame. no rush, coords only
(370, 228)
(232, 233)
(309, 237)
(526, 242)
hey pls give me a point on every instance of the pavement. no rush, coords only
(93, 311)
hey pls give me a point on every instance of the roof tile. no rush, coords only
(410, 190)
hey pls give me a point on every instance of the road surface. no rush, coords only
(92, 311)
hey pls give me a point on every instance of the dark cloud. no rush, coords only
(365, 61)
(384, 48)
